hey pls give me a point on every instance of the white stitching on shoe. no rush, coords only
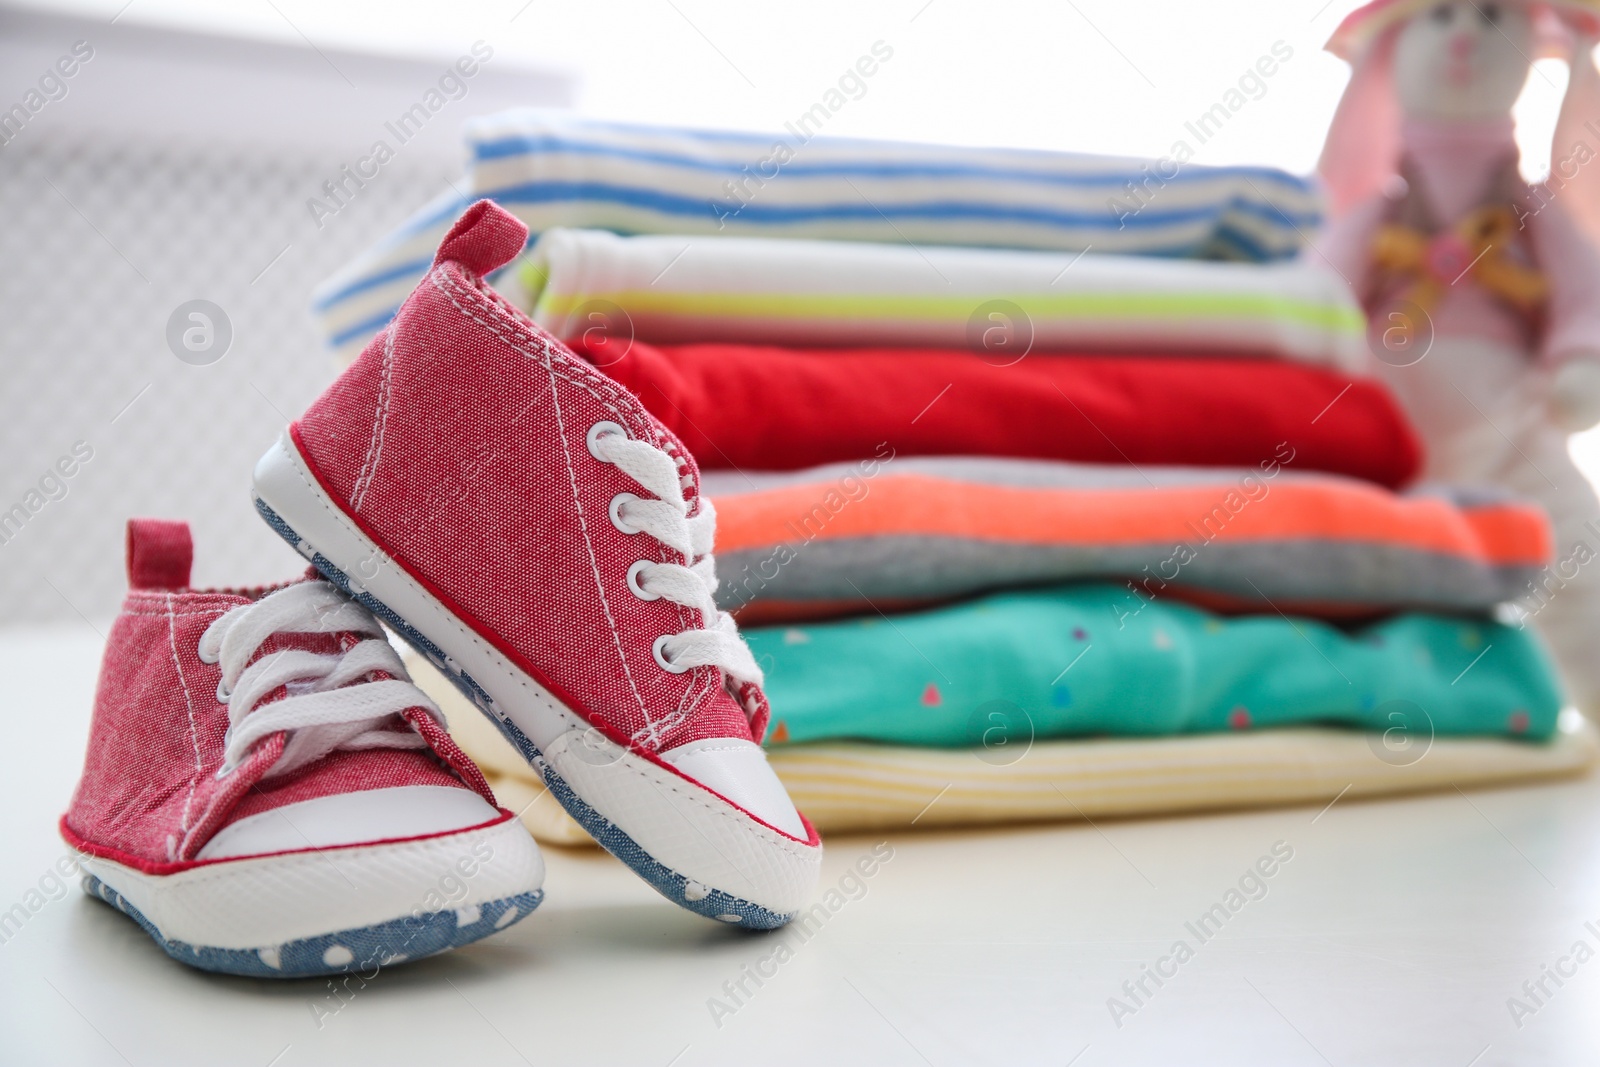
(194, 727)
(588, 539)
(380, 423)
(176, 614)
(615, 399)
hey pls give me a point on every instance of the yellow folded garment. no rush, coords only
(853, 786)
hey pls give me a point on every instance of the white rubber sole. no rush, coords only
(696, 849)
(329, 910)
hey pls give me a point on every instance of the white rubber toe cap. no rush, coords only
(351, 819)
(667, 807)
(739, 771)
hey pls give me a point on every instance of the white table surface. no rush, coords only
(1395, 935)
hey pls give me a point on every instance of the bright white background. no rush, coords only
(1092, 75)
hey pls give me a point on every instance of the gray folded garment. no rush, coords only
(900, 532)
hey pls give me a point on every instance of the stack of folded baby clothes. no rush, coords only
(554, 170)
(1030, 507)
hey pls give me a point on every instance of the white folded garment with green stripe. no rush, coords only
(555, 169)
(1000, 303)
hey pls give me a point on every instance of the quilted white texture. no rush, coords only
(104, 240)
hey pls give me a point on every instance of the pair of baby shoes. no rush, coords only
(266, 792)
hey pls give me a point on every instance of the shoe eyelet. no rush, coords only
(658, 650)
(616, 513)
(599, 430)
(634, 573)
(223, 694)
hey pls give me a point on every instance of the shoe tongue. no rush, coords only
(332, 642)
(330, 645)
(686, 464)
(321, 644)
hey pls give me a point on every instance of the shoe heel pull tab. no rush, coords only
(160, 553)
(485, 238)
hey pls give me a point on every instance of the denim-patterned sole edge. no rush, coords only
(362, 949)
(681, 890)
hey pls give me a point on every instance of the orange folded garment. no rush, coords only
(895, 531)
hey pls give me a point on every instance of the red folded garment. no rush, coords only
(766, 408)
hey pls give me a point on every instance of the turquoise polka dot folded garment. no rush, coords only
(1099, 659)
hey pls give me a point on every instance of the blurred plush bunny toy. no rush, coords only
(1482, 292)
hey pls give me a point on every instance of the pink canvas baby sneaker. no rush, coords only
(266, 792)
(527, 525)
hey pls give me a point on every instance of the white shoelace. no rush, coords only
(323, 710)
(666, 519)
